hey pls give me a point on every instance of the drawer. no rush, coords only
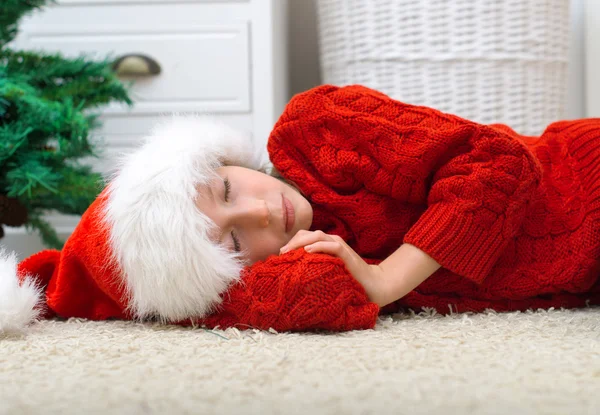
(203, 68)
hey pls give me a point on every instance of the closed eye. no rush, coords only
(227, 184)
(236, 241)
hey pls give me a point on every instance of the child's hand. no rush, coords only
(369, 276)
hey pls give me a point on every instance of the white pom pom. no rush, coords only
(17, 301)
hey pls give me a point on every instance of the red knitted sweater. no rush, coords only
(514, 221)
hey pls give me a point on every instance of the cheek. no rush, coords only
(304, 214)
(263, 247)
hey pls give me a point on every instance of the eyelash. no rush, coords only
(236, 242)
(227, 188)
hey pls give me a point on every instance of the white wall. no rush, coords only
(304, 53)
(576, 82)
(303, 46)
(592, 54)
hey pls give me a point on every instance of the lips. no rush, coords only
(289, 216)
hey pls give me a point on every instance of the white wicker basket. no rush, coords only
(485, 60)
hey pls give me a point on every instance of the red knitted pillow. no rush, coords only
(296, 291)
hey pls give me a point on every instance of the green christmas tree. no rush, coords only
(46, 104)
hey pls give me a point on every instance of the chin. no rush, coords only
(304, 215)
(303, 210)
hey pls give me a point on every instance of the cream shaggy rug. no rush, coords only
(547, 362)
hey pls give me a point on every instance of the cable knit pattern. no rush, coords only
(296, 291)
(513, 220)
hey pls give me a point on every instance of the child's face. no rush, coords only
(251, 210)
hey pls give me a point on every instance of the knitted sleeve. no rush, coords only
(473, 182)
(296, 291)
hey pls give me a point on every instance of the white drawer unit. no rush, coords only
(227, 58)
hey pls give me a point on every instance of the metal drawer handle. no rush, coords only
(134, 64)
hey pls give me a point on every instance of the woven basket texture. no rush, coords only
(485, 60)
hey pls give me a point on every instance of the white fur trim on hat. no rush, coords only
(170, 268)
(19, 303)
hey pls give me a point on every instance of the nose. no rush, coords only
(252, 212)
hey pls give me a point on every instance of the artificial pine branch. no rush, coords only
(46, 126)
(85, 82)
(11, 12)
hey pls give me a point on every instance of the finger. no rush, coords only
(338, 238)
(326, 247)
(306, 238)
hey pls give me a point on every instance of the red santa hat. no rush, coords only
(141, 250)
